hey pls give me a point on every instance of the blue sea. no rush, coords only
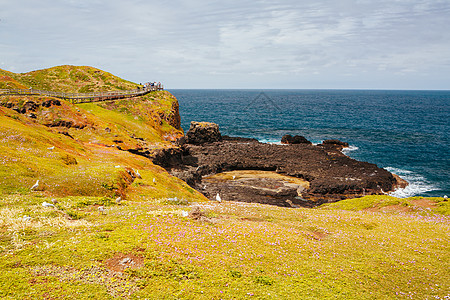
(405, 132)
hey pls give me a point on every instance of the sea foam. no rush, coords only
(417, 183)
(349, 149)
(270, 141)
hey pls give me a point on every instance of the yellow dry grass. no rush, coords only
(250, 174)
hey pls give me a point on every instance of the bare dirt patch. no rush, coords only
(315, 235)
(414, 205)
(120, 262)
(425, 203)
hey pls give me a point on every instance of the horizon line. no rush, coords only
(311, 89)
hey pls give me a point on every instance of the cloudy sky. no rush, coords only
(383, 44)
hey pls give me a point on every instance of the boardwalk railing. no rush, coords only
(85, 97)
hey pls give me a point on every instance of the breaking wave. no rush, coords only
(417, 183)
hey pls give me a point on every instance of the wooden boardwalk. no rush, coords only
(84, 97)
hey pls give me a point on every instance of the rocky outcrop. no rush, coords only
(336, 144)
(293, 140)
(173, 116)
(331, 175)
(203, 132)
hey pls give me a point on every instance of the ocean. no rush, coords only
(405, 132)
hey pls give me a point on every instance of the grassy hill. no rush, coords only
(69, 79)
(7, 81)
(164, 240)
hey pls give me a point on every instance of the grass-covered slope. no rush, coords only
(84, 150)
(73, 79)
(383, 203)
(7, 81)
(163, 240)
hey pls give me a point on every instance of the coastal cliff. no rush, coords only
(40, 134)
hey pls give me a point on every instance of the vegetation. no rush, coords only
(421, 205)
(69, 79)
(242, 251)
(72, 237)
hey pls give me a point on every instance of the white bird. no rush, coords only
(445, 197)
(35, 186)
(26, 218)
(218, 198)
(137, 174)
(51, 148)
(117, 167)
(234, 177)
(184, 213)
(101, 209)
(46, 204)
(118, 200)
(154, 180)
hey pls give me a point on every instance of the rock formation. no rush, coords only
(203, 132)
(330, 175)
(297, 139)
(337, 144)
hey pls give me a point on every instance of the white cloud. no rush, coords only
(296, 44)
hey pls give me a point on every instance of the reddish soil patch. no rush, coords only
(372, 209)
(315, 235)
(418, 204)
(120, 262)
(254, 219)
(424, 203)
(398, 208)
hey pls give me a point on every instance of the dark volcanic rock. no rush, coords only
(203, 132)
(166, 158)
(51, 102)
(334, 144)
(330, 175)
(30, 106)
(297, 139)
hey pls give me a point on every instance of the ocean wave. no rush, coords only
(417, 184)
(270, 141)
(349, 149)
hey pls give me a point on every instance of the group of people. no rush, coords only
(152, 84)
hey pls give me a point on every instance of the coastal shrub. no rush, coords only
(69, 160)
(102, 236)
(235, 274)
(176, 201)
(74, 215)
(264, 280)
(103, 201)
(443, 208)
(87, 88)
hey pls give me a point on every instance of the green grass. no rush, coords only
(72, 79)
(436, 205)
(298, 254)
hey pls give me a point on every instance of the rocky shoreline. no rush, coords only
(296, 173)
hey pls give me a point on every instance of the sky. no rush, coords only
(236, 44)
